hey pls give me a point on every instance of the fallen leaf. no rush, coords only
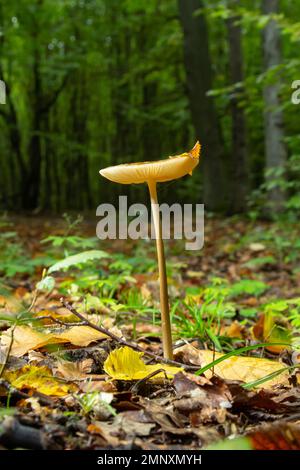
(81, 335)
(39, 379)
(123, 426)
(202, 400)
(27, 338)
(267, 402)
(126, 364)
(234, 330)
(94, 384)
(244, 369)
(73, 370)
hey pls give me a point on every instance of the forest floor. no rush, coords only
(65, 384)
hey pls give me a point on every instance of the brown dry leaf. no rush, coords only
(234, 330)
(73, 370)
(95, 384)
(208, 414)
(27, 338)
(244, 369)
(202, 400)
(36, 357)
(81, 335)
(250, 302)
(268, 402)
(21, 292)
(126, 425)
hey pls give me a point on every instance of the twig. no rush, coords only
(60, 322)
(135, 387)
(2, 367)
(122, 341)
(14, 434)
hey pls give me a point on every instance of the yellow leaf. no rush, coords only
(244, 369)
(126, 364)
(38, 378)
(27, 338)
(81, 335)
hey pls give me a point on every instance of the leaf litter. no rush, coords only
(74, 387)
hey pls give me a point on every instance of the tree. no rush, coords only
(275, 150)
(238, 156)
(204, 116)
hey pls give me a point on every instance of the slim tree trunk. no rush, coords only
(31, 187)
(275, 149)
(199, 82)
(238, 158)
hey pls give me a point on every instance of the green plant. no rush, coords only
(204, 320)
(247, 287)
(93, 402)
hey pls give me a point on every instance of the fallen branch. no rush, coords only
(60, 322)
(2, 367)
(123, 342)
(14, 434)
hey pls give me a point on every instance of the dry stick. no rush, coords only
(2, 367)
(123, 341)
(14, 434)
(135, 387)
(59, 322)
(164, 298)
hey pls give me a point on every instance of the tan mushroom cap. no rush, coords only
(158, 171)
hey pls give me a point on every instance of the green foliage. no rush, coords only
(77, 260)
(92, 403)
(238, 443)
(248, 287)
(260, 262)
(14, 259)
(203, 321)
(47, 284)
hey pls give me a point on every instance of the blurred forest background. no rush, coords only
(91, 83)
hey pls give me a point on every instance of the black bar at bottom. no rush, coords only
(133, 459)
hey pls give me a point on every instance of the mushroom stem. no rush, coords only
(164, 298)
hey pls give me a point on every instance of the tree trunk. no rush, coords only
(238, 158)
(31, 188)
(199, 82)
(275, 149)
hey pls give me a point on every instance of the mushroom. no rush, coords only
(152, 173)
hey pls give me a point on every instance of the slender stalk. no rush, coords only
(164, 298)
